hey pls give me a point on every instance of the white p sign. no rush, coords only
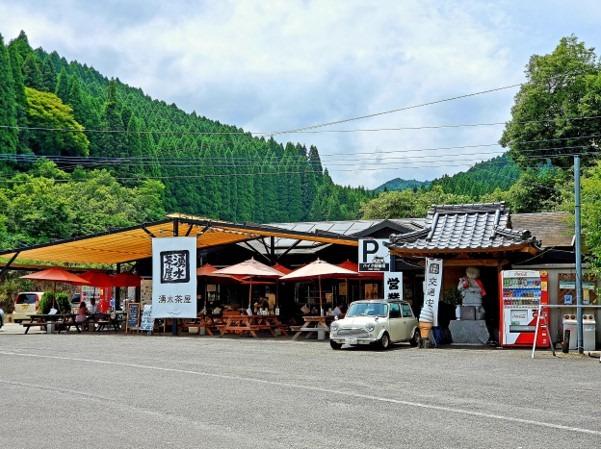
(373, 255)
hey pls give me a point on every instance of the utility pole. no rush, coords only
(579, 311)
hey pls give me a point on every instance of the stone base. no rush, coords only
(469, 331)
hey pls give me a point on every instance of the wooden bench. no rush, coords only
(32, 324)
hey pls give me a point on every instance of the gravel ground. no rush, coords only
(114, 391)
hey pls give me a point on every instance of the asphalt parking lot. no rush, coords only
(114, 391)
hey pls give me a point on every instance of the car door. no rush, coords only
(395, 321)
(409, 321)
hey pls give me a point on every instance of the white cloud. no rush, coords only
(284, 64)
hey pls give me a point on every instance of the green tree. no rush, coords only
(8, 105)
(32, 75)
(548, 116)
(48, 76)
(406, 203)
(47, 111)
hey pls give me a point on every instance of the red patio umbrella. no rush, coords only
(56, 275)
(125, 280)
(98, 279)
(319, 269)
(282, 268)
(251, 270)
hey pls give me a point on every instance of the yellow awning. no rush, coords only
(133, 243)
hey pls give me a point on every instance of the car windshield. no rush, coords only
(367, 309)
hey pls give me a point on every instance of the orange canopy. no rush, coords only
(57, 275)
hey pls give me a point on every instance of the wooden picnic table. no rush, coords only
(314, 324)
(237, 323)
(63, 321)
(104, 321)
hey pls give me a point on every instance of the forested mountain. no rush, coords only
(401, 184)
(73, 115)
(483, 178)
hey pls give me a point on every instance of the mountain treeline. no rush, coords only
(71, 114)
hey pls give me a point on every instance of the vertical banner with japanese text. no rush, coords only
(393, 285)
(432, 286)
(174, 277)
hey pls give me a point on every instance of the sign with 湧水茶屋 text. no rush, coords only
(174, 277)
(393, 285)
(432, 285)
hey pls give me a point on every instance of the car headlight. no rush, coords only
(370, 327)
(334, 327)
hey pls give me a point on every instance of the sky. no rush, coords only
(268, 66)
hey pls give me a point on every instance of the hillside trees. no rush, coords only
(47, 112)
(208, 168)
(558, 110)
(8, 105)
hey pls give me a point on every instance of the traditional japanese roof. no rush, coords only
(480, 227)
(553, 229)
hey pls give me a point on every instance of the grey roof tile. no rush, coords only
(464, 226)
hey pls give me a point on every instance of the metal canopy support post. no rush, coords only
(6, 267)
(175, 234)
(290, 248)
(118, 291)
(145, 229)
(579, 311)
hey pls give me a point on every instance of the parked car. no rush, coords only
(75, 300)
(376, 321)
(26, 303)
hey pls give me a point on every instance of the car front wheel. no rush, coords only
(384, 342)
(335, 345)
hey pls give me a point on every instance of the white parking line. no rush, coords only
(318, 389)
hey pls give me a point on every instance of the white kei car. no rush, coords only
(375, 321)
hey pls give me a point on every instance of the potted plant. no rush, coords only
(453, 298)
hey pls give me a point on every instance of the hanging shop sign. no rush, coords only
(432, 285)
(393, 285)
(174, 277)
(373, 255)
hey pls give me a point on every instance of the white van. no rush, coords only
(26, 303)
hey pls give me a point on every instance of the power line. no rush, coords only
(391, 111)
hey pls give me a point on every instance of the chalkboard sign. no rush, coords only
(133, 316)
(147, 323)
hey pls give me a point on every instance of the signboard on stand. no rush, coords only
(174, 277)
(373, 255)
(147, 322)
(393, 285)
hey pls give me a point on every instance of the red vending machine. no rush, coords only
(522, 291)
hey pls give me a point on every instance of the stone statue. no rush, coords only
(472, 290)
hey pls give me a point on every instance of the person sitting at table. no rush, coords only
(305, 309)
(93, 309)
(314, 310)
(82, 314)
(338, 312)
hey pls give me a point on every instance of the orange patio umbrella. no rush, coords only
(319, 269)
(56, 275)
(251, 270)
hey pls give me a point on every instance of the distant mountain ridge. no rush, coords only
(480, 179)
(402, 184)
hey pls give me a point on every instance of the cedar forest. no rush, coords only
(82, 153)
